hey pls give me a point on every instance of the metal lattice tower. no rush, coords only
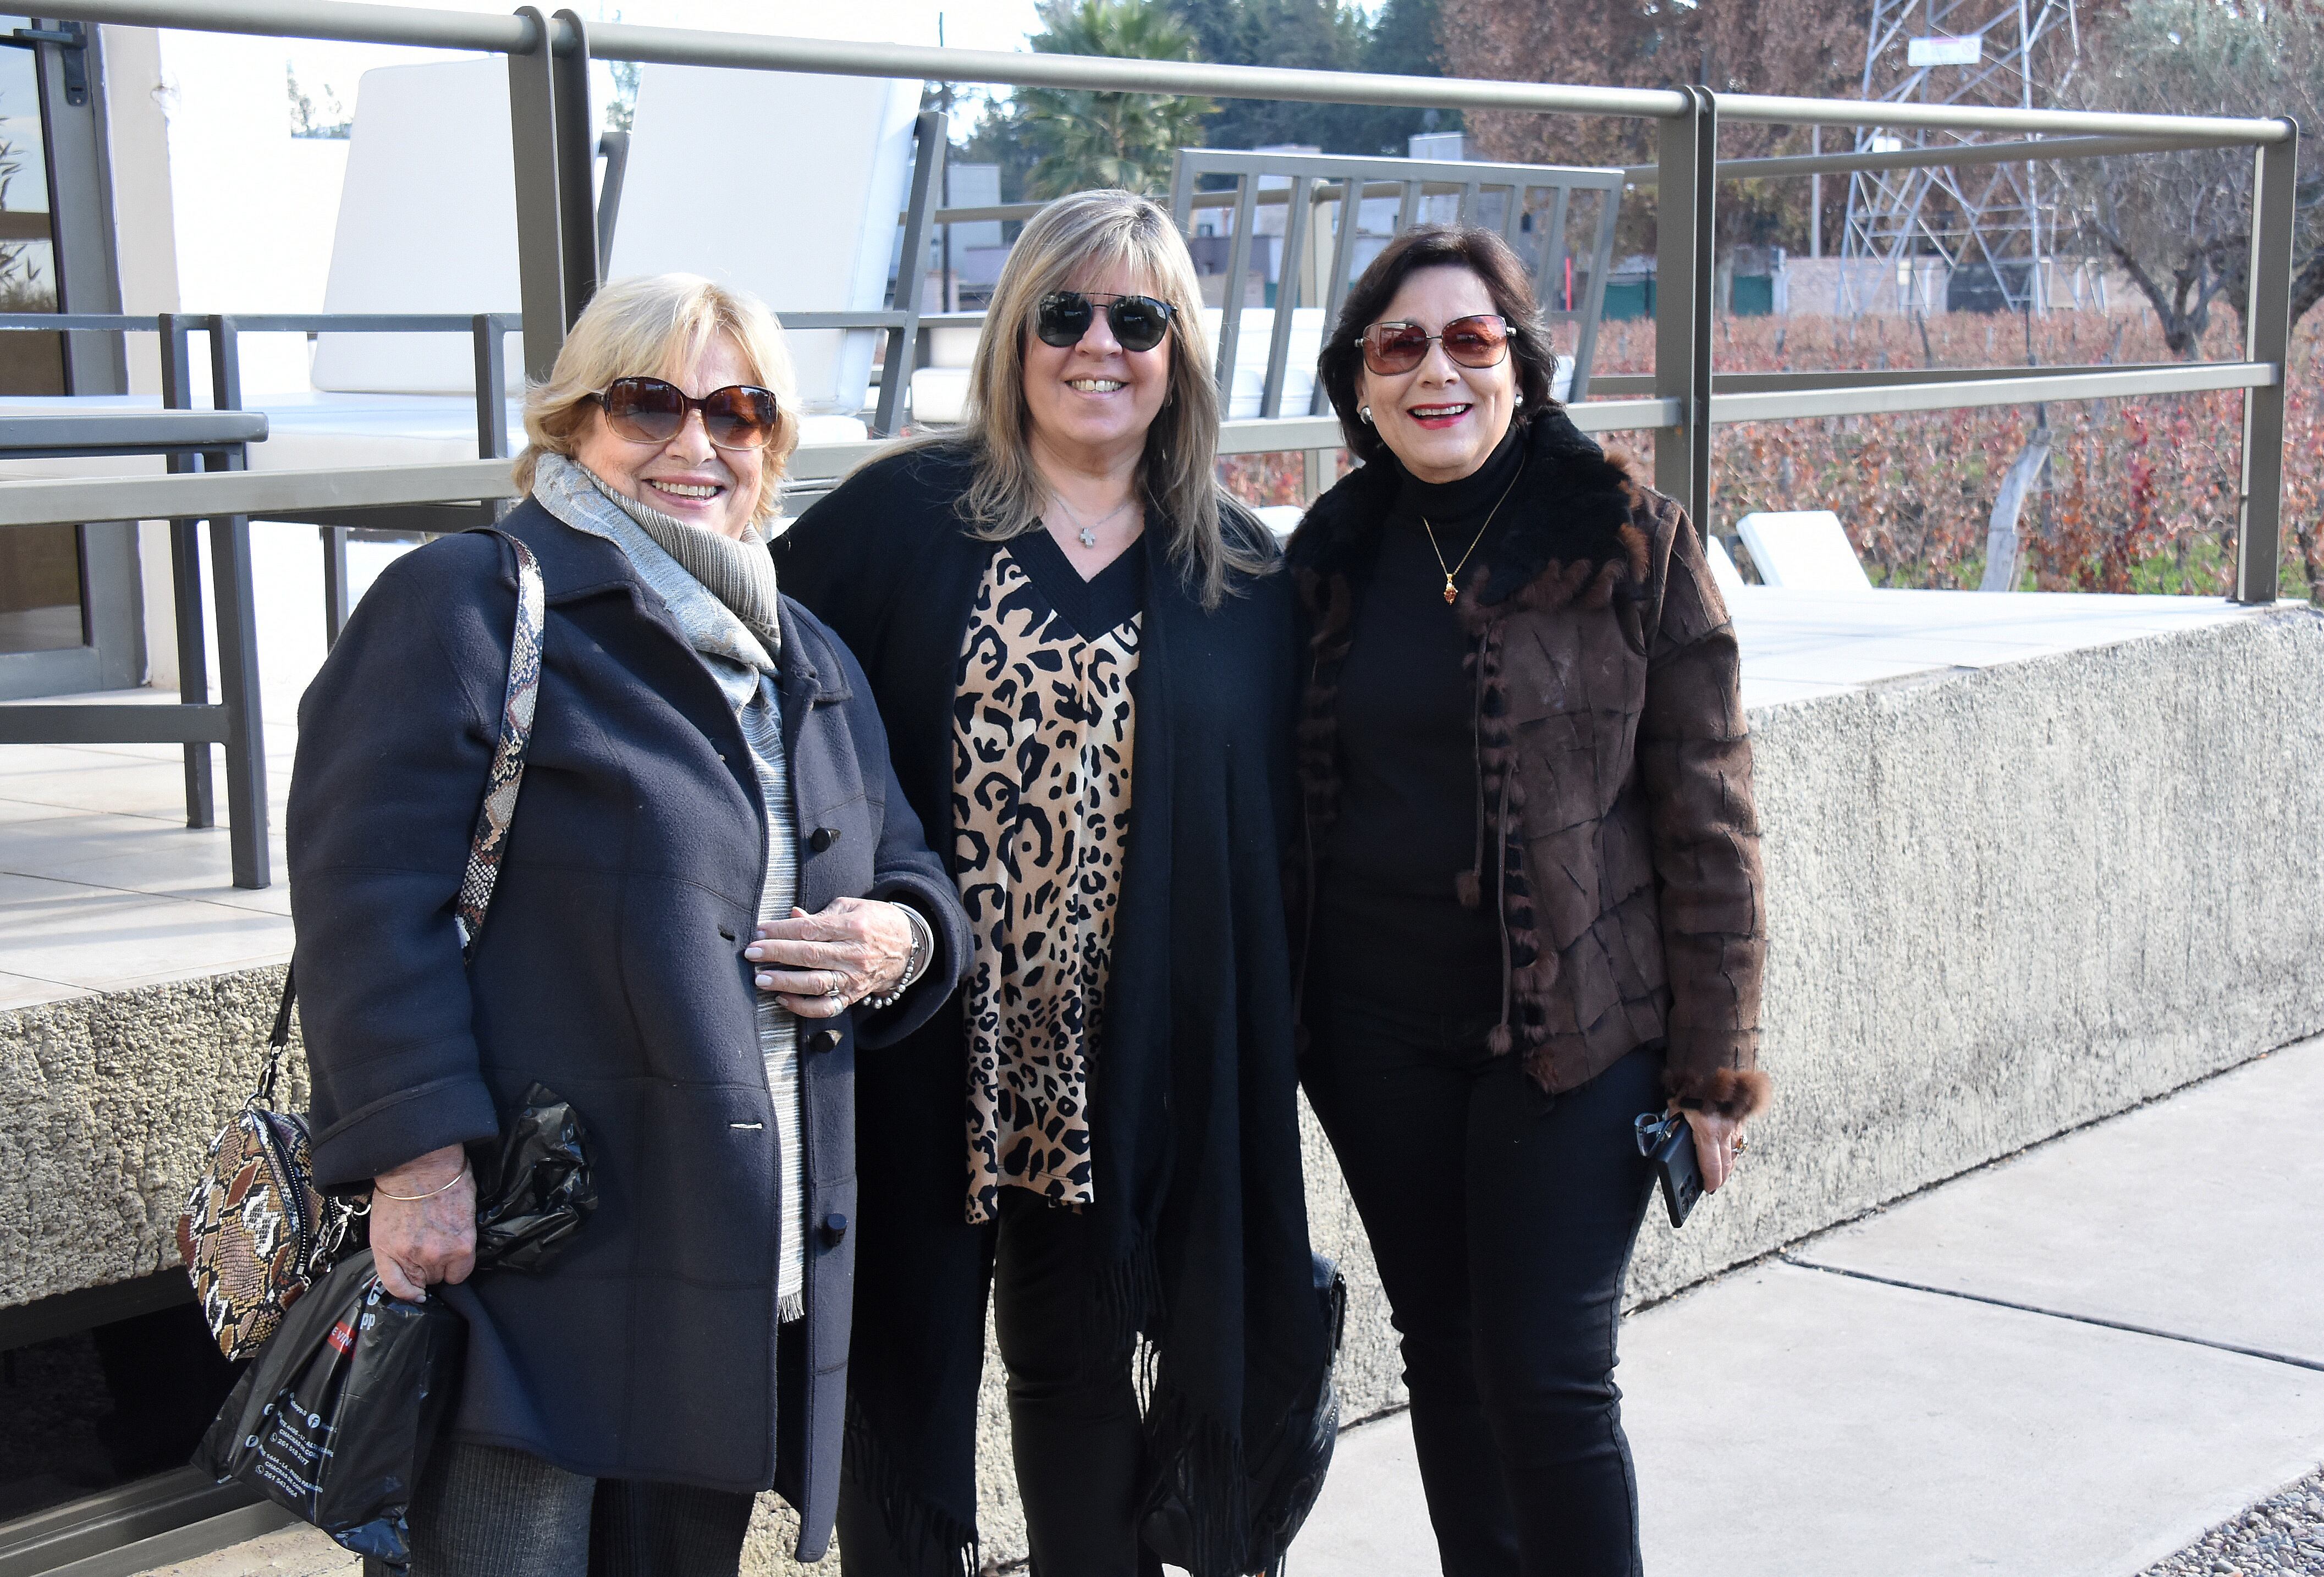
(2012, 53)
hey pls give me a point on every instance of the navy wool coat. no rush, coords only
(610, 969)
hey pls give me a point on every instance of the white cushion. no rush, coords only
(1246, 396)
(952, 347)
(1723, 573)
(939, 394)
(808, 225)
(427, 223)
(1804, 549)
(1282, 518)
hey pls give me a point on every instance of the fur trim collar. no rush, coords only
(1573, 508)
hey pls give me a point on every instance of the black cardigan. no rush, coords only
(1198, 1208)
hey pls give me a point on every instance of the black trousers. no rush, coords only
(1072, 1413)
(1502, 1220)
(488, 1511)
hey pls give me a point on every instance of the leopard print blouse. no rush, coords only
(1042, 733)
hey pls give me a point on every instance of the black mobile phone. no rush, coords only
(1668, 1143)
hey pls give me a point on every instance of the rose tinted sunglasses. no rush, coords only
(1480, 341)
(650, 411)
(1139, 322)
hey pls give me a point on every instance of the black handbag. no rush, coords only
(1284, 1483)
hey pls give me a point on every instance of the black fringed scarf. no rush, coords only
(1199, 1209)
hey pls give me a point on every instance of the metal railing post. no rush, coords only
(1686, 149)
(900, 348)
(613, 147)
(1347, 214)
(2267, 331)
(576, 168)
(1290, 274)
(491, 386)
(337, 602)
(185, 579)
(1231, 297)
(238, 640)
(555, 147)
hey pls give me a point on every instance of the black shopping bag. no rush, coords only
(335, 1419)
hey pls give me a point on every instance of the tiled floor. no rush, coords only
(102, 886)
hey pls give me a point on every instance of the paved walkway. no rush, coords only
(2070, 1364)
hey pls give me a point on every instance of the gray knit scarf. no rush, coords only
(721, 595)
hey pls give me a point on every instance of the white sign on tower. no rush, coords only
(1944, 51)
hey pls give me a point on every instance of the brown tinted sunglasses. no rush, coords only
(651, 411)
(1480, 341)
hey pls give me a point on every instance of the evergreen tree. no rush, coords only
(1083, 139)
(1320, 35)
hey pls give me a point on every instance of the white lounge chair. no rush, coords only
(1802, 550)
(813, 230)
(1723, 573)
(427, 223)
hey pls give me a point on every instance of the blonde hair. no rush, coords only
(656, 326)
(1088, 233)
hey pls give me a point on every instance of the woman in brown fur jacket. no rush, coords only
(1531, 904)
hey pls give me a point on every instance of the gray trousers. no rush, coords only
(488, 1511)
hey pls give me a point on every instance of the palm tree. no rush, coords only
(1088, 140)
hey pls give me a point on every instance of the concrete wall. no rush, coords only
(107, 1105)
(2003, 903)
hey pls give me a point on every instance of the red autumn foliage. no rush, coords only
(2141, 494)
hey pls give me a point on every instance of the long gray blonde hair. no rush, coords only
(1076, 236)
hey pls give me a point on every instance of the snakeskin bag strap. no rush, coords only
(256, 1234)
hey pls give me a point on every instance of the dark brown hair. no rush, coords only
(1483, 253)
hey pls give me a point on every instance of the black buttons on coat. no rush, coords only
(821, 838)
(823, 1040)
(834, 1228)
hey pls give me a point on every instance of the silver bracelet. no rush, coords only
(924, 947)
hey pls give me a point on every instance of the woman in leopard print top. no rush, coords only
(1083, 654)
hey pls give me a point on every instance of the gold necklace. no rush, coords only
(1450, 593)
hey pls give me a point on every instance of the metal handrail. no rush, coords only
(555, 143)
(270, 495)
(521, 34)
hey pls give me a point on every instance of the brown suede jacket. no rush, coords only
(1614, 767)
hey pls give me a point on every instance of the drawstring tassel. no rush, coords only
(921, 1535)
(1469, 886)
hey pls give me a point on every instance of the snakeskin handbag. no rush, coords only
(256, 1234)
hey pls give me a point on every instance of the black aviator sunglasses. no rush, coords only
(1139, 322)
(653, 410)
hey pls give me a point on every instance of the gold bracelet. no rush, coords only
(416, 1198)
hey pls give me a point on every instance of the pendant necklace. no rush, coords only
(1451, 595)
(1086, 531)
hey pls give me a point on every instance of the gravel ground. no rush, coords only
(2282, 1536)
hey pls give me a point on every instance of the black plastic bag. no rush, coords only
(335, 1419)
(533, 1185)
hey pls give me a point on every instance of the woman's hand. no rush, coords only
(1716, 1139)
(822, 964)
(416, 1242)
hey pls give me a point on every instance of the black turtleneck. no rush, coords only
(1407, 815)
